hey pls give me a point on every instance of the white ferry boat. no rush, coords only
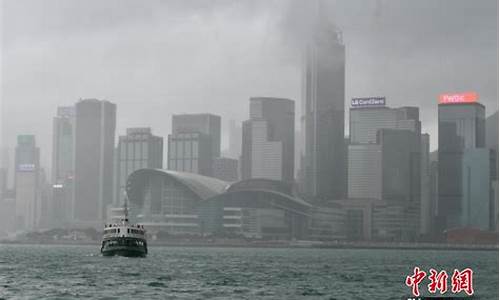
(124, 239)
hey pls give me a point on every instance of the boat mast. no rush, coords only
(125, 208)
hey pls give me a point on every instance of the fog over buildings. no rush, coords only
(211, 56)
(91, 82)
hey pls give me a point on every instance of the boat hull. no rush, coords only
(127, 247)
(127, 252)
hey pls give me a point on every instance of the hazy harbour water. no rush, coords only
(68, 272)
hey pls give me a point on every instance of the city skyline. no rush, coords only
(365, 166)
(366, 42)
(249, 149)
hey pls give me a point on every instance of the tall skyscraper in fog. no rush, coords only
(63, 134)
(62, 143)
(461, 127)
(137, 150)
(324, 159)
(27, 167)
(194, 143)
(269, 140)
(95, 123)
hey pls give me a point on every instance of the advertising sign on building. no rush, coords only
(368, 102)
(26, 167)
(469, 97)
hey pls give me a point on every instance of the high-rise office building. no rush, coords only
(324, 160)
(194, 143)
(384, 165)
(478, 174)
(27, 167)
(269, 140)
(461, 127)
(95, 123)
(62, 165)
(492, 143)
(62, 143)
(426, 204)
(383, 141)
(206, 124)
(400, 166)
(137, 150)
(366, 120)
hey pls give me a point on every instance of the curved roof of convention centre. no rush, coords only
(206, 188)
(202, 186)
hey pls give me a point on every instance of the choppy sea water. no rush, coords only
(69, 272)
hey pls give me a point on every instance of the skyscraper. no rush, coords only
(492, 143)
(324, 158)
(384, 141)
(62, 143)
(206, 124)
(426, 203)
(194, 143)
(136, 150)
(62, 165)
(269, 140)
(95, 123)
(478, 172)
(461, 127)
(384, 166)
(27, 167)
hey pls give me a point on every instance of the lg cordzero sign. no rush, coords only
(469, 97)
(368, 102)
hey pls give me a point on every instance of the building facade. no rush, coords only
(138, 149)
(225, 169)
(194, 143)
(95, 124)
(427, 205)
(384, 166)
(461, 127)
(63, 138)
(269, 140)
(324, 171)
(492, 143)
(384, 153)
(27, 187)
(478, 194)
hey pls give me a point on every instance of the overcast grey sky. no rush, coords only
(158, 58)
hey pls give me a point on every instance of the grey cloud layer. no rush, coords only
(157, 58)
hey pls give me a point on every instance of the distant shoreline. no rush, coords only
(282, 244)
